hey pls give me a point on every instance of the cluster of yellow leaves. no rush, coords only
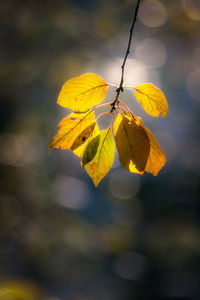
(137, 148)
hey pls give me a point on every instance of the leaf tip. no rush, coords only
(59, 100)
(51, 145)
(96, 184)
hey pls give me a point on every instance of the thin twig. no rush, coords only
(120, 88)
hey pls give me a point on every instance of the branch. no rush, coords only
(120, 88)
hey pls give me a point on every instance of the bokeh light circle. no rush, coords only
(151, 53)
(192, 9)
(70, 192)
(129, 265)
(152, 13)
(122, 185)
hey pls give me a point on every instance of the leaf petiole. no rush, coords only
(112, 85)
(126, 108)
(101, 105)
(119, 108)
(104, 113)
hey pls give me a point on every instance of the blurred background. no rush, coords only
(134, 237)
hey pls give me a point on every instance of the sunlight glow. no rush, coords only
(135, 72)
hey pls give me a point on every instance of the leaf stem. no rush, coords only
(110, 84)
(101, 105)
(126, 108)
(132, 88)
(113, 118)
(120, 88)
(102, 114)
(120, 108)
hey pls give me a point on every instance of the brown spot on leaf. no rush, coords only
(83, 138)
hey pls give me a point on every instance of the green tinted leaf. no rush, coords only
(91, 150)
(103, 159)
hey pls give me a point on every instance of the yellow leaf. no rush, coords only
(157, 158)
(152, 99)
(82, 92)
(138, 149)
(75, 132)
(99, 155)
(132, 143)
(94, 131)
